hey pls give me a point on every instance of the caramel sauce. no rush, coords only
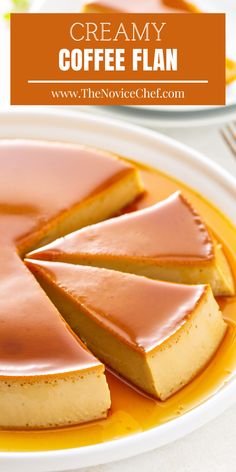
(131, 411)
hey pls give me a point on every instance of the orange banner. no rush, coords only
(117, 59)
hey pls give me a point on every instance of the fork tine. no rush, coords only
(229, 135)
(232, 130)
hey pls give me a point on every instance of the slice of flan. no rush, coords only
(152, 6)
(48, 378)
(50, 189)
(167, 241)
(158, 335)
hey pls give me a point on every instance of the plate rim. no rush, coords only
(65, 459)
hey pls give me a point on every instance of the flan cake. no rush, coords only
(158, 335)
(152, 6)
(47, 376)
(167, 241)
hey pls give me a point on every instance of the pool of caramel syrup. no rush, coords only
(132, 412)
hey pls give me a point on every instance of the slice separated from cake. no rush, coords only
(167, 241)
(158, 335)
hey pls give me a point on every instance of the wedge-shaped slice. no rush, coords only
(158, 335)
(230, 71)
(167, 241)
(48, 377)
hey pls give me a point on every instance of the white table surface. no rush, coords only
(213, 447)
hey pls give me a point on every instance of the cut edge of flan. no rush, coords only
(212, 268)
(216, 273)
(190, 349)
(106, 202)
(53, 401)
(159, 371)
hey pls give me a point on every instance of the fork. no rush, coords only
(229, 135)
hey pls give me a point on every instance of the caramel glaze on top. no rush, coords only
(39, 181)
(143, 6)
(34, 339)
(169, 231)
(118, 301)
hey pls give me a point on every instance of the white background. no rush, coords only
(213, 447)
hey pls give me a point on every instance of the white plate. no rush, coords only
(163, 153)
(223, 6)
(156, 119)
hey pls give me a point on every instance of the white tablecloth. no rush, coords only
(213, 447)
